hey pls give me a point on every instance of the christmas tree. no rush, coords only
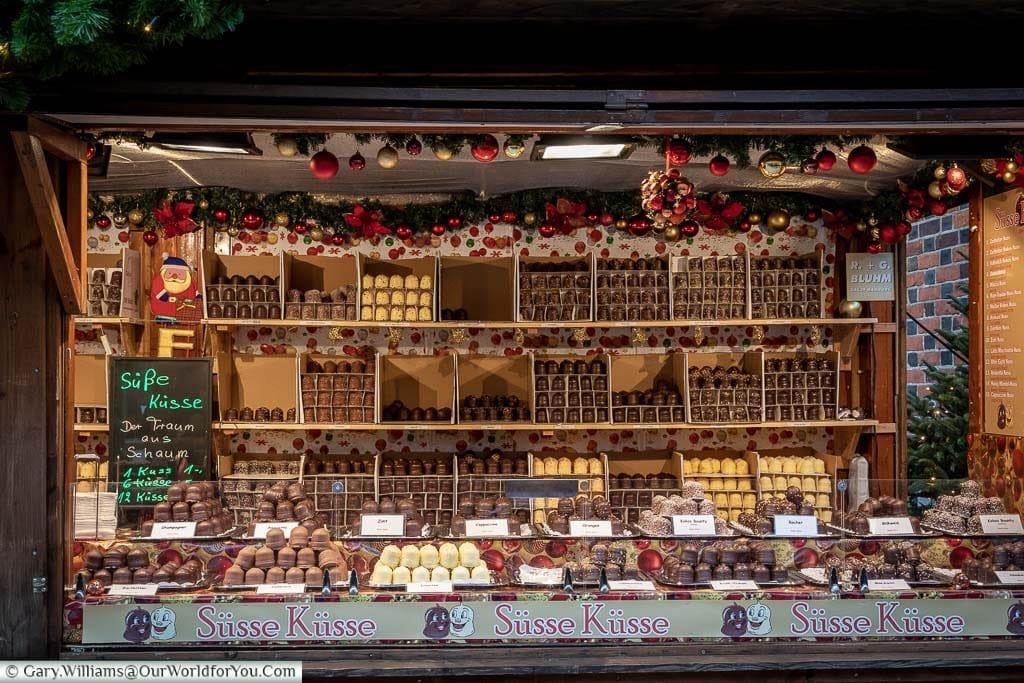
(937, 421)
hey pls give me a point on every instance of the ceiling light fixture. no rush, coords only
(212, 143)
(565, 147)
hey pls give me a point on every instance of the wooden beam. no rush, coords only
(32, 159)
(77, 209)
(975, 283)
(60, 143)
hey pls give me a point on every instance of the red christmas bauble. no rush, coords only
(915, 213)
(743, 226)
(862, 159)
(956, 178)
(300, 228)
(508, 217)
(486, 149)
(454, 222)
(150, 237)
(337, 240)
(103, 222)
(719, 165)
(403, 232)
(937, 208)
(90, 151)
(324, 165)
(678, 152)
(639, 225)
(547, 230)
(903, 228)
(811, 216)
(252, 219)
(826, 160)
(413, 147)
(874, 248)
(606, 219)
(438, 229)
(356, 162)
(888, 234)
(494, 218)
(220, 215)
(690, 228)
(592, 218)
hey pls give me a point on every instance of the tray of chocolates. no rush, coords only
(396, 298)
(696, 566)
(959, 515)
(397, 411)
(196, 502)
(786, 287)
(490, 408)
(476, 507)
(856, 523)
(570, 390)
(338, 390)
(761, 522)
(104, 292)
(801, 389)
(656, 522)
(244, 297)
(313, 304)
(724, 394)
(558, 522)
(124, 564)
(260, 414)
(709, 288)
(285, 501)
(584, 570)
(807, 473)
(415, 523)
(632, 289)
(424, 478)
(301, 557)
(482, 482)
(899, 560)
(461, 564)
(663, 403)
(557, 290)
(1004, 557)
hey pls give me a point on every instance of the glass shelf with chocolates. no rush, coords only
(339, 486)
(896, 560)
(246, 297)
(762, 521)
(462, 564)
(341, 390)
(482, 486)
(697, 565)
(198, 503)
(611, 557)
(416, 522)
(123, 564)
(282, 501)
(577, 492)
(632, 289)
(657, 520)
(570, 389)
(786, 287)
(801, 387)
(302, 556)
(883, 516)
(998, 568)
(555, 289)
(425, 478)
(709, 287)
(961, 514)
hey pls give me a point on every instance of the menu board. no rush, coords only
(160, 423)
(1002, 306)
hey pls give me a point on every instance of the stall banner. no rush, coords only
(365, 622)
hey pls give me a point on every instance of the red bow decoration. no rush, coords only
(566, 215)
(177, 220)
(367, 222)
(718, 213)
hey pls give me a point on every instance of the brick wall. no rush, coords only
(936, 268)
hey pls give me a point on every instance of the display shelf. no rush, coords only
(532, 325)
(91, 427)
(531, 427)
(106, 320)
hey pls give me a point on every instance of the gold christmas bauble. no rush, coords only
(778, 220)
(90, 214)
(120, 220)
(849, 309)
(987, 166)
(443, 152)
(812, 232)
(355, 240)
(939, 172)
(529, 218)
(316, 233)
(771, 164)
(935, 189)
(622, 224)
(387, 157)
(754, 218)
(861, 226)
(872, 221)
(672, 233)
(876, 235)
(1011, 166)
(272, 237)
(435, 241)
(1009, 177)
(135, 216)
(203, 204)
(514, 148)
(287, 146)
(233, 231)
(281, 220)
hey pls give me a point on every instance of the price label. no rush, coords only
(486, 528)
(1001, 524)
(133, 589)
(429, 587)
(796, 525)
(631, 585)
(890, 525)
(281, 589)
(888, 585)
(734, 585)
(1011, 578)
(693, 525)
(261, 528)
(165, 530)
(590, 527)
(382, 525)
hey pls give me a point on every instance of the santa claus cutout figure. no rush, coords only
(173, 294)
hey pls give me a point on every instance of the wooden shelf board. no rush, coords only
(534, 325)
(529, 427)
(91, 427)
(85, 320)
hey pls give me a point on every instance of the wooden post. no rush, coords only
(975, 400)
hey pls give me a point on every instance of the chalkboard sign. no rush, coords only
(160, 412)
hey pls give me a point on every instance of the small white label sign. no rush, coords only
(429, 587)
(486, 528)
(1001, 524)
(281, 589)
(890, 525)
(167, 530)
(590, 527)
(382, 525)
(796, 525)
(693, 525)
(261, 528)
(888, 585)
(1011, 578)
(734, 585)
(133, 589)
(631, 585)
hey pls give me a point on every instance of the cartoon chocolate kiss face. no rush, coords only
(137, 626)
(163, 624)
(734, 621)
(1015, 619)
(438, 623)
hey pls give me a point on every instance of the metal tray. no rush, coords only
(546, 531)
(925, 533)
(730, 533)
(230, 533)
(792, 580)
(946, 532)
(823, 581)
(445, 532)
